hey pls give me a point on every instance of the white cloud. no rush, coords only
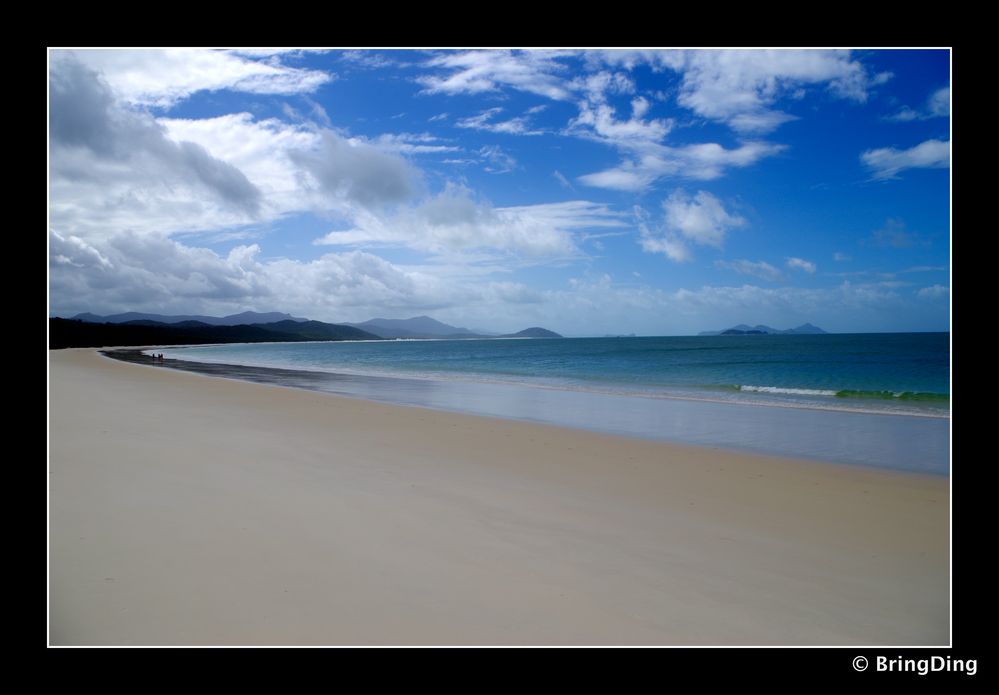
(412, 143)
(474, 72)
(135, 272)
(598, 122)
(670, 246)
(497, 161)
(439, 117)
(114, 168)
(351, 170)
(739, 87)
(887, 162)
(276, 155)
(699, 219)
(455, 222)
(259, 148)
(841, 257)
(639, 107)
(647, 158)
(562, 180)
(484, 121)
(904, 114)
(937, 106)
(369, 60)
(801, 264)
(163, 77)
(939, 103)
(933, 292)
(703, 161)
(110, 165)
(143, 272)
(626, 177)
(759, 269)
(74, 251)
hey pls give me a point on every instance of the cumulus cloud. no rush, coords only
(739, 87)
(939, 103)
(639, 107)
(135, 272)
(114, 160)
(759, 269)
(640, 140)
(937, 106)
(887, 162)
(801, 264)
(700, 219)
(598, 122)
(339, 171)
(354, 171)
(74, 251)
(131, 272)
(164, 77)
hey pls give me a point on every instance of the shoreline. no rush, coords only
(893, 441)
(215, 511)
(472, 377)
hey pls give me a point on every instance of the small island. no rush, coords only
(743, 329)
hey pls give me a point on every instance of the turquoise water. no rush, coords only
(873, 400)
(882, 373)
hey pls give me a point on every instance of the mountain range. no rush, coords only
(743, 329)
(243, 319)
(134, 328)
(416, 327)
(77, 333)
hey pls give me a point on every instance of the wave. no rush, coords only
(896, 395)
(788, 391)
(851, 393)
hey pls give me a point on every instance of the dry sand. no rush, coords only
(189, 510)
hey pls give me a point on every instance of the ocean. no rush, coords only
(867, 399)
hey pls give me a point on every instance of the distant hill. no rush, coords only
(424, 327)
(415, 327)
(136, 328)
(743, 329)
(533, 332)
(243, 319)
(65, 333)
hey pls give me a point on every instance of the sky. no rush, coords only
(654, 192)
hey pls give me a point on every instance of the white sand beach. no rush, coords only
(188, 510)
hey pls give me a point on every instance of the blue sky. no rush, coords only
(590, 192)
